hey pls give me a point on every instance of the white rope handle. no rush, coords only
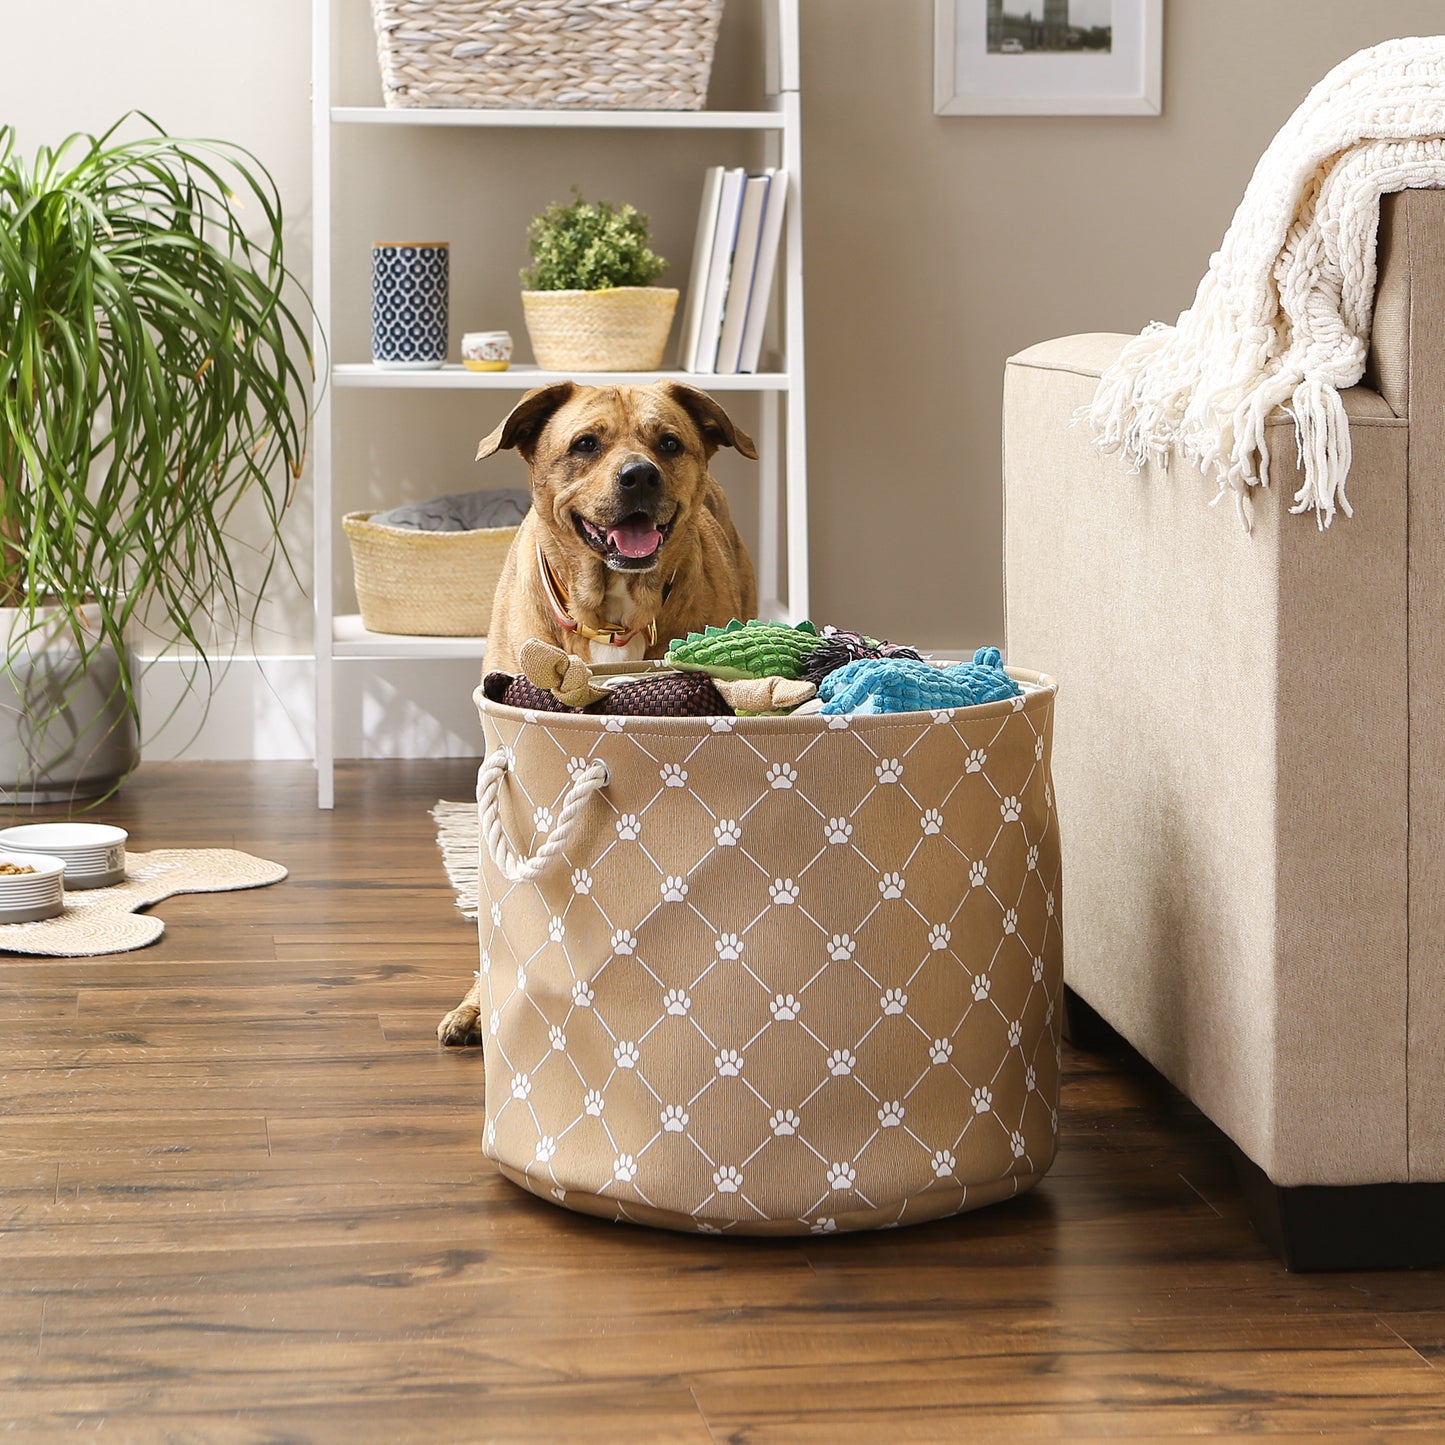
(513, 864)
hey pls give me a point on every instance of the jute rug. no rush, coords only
(457, 837)
(105, 920)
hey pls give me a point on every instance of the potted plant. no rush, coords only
(147, 388)
(587, 297)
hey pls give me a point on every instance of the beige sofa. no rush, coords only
(1250, 767)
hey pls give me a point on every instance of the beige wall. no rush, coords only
(935, 245)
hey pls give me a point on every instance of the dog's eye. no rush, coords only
(669, 444)
(585, 444)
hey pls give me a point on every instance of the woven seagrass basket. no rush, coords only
(427, 584)
(621, 329)
(544, 54)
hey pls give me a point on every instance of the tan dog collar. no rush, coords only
(612, 633)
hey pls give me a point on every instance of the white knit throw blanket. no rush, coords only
(1283, 315)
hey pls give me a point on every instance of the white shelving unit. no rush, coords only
(782, 442)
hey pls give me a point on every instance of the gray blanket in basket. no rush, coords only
(460, 512)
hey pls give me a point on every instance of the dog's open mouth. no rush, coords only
(631, 543)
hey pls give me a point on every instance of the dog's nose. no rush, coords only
(639, 480)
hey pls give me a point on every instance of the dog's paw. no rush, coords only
(462, 1026)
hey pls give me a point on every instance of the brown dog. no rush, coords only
(629, 542)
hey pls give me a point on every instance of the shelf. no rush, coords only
(564, 119)
(454, 376)
(353, 640)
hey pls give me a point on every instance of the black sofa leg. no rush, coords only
(1358, 1226)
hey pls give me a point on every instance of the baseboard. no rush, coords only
(264, 709)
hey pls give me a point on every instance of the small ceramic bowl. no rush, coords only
(487, 350)
(93, 853)
(27, 897)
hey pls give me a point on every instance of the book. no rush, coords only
(762, 287)
(701, 256)
(714, 295)
(740, 276)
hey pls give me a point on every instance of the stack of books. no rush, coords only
(733, 260)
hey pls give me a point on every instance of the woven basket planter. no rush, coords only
(545, 54)
(427, 584)
(623, 329)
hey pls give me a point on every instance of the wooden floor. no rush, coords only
(242, 1198)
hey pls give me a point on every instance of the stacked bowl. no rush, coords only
(93, 853)
(32, 886)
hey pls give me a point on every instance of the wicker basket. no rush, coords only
(623, 329)
(544, 54)
(427, 584)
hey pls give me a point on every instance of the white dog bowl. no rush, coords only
(93, 853)
(29, 897)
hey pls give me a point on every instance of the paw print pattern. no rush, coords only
(727, 1180)
(841, 1063)
(729, 1064)
(841, 947)
(623, 942)
(1031, 1079)
(894, 1001)
(889, 770)
(521, 1086)
(1010, 920)
(782, 775)
(837, 830)
(614, 723)
(839, 722)
(486, 967)
(890, 885)
(494, 1023)
(556, 929)
(941, 714)
(546, 1148)
(825, 1225)
(729, 947)
(1009, 809)
(783, 891)
(784, 1008)
(593, 1103)
(674, 888)
(557, 1038)
(1015, 1034)
(1038, 750)
(624, 1169)
(496, 915)
(940, 1051)
(1031, 861)
(890, 1115)
(1038, 969)
(720, 724)
(521, 978)
(977, 874)
(982, 1100)
(939, 937)
(1049, 903)
(981, 987)
(703, 1227)
(932, 822)
(976, 759)
(842, 1176)
(576, 767)
(581, 881)
(673, 776)
(784, 1122)
(727, 833)
(542, 820)
(676, 1002)
(674, 1119)
(1017, 1144)
(943, 1164)
(625, 1055)
(629, 827)
(582, 994)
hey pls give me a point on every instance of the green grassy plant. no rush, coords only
(586, 247)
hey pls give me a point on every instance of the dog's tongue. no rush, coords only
(635, 537)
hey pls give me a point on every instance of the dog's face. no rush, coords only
(616, 471)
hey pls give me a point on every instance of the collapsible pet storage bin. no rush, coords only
(771, 975)
(429, 584)
(540, 54)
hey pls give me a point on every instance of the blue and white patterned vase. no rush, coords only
(410, 285)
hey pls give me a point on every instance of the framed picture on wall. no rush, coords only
(1047, 57)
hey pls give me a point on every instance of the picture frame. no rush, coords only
(1048, 57)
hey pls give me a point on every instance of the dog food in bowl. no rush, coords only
(32, 887)
(93, 853)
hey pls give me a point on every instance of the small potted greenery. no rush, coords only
(147, 391)
(588, 296)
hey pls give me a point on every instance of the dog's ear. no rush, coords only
(525, 422)
(713, 422)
